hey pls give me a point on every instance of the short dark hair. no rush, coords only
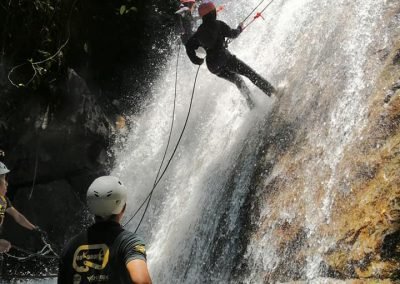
(112, 217)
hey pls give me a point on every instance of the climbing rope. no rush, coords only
(43, 253)
(251, 13)
(159, 177)
(46, 252)
(258, 14)
(148, 199)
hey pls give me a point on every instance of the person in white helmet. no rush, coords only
(105, 252)
(7, 207)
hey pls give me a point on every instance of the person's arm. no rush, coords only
(133, 251)
(182, 11)
(231, 33)
(20, 219)
(191, 47)
(138, 271)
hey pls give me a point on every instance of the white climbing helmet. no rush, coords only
(106, 196)
(3, 169)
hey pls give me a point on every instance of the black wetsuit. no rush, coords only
(100, 255)
(211, 36)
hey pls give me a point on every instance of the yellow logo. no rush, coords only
(140, 248)
(91, 256)
(3, 208)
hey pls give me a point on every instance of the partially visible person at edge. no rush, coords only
(6, 207)
(211, 36)
(185, 19)
(105, 252)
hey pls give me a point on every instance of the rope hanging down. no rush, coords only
(148, 198)
(248, 16)
(159, 177)
(258, 15)
(166, 148)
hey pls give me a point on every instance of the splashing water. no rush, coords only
(196, 222)
(197, 226)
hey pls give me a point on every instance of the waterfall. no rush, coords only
(198, 224)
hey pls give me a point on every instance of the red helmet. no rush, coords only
(206, 8)
(188, 1)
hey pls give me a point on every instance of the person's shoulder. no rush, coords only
(128, 235)
(222, 23)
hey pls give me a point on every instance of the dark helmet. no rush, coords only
(206, 8)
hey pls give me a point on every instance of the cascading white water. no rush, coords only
(192, 221)
(193, 226)
(197, 217)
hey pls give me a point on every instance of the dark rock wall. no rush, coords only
(69, 70)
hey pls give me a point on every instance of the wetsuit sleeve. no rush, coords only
(191, 46)
(228, 32)
(133, 248)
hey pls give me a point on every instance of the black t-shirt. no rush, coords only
(100, 255)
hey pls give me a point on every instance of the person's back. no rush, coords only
(105, 253)
(211, 35)
(100, 253)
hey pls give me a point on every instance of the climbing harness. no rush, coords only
(159, 177)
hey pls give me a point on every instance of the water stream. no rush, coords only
(197, 223)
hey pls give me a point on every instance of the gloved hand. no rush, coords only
(39, 233)
(240, 26)
(200, 61)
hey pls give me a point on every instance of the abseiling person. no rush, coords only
(211, 35)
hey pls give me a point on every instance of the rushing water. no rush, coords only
(196, 225)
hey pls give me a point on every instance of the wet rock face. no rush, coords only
(57, 117)
(337, 218)
(360, 237)
(52, 164)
